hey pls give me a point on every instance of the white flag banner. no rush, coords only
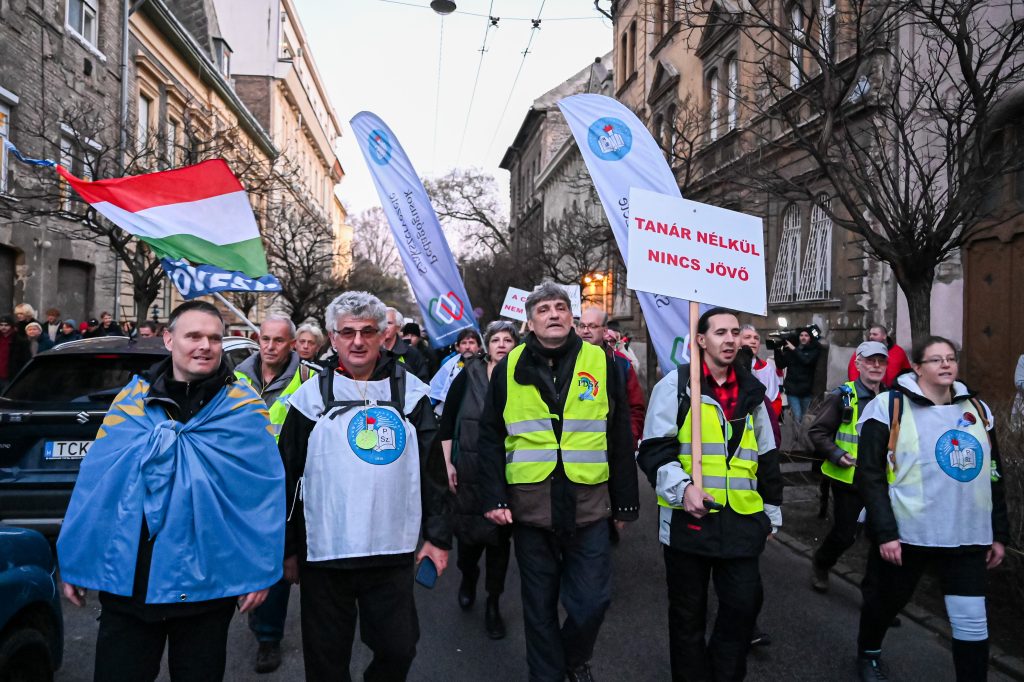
(428, 261)
(620, 153)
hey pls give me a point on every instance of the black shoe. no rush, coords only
(760, 639)
(268, 657)
(493, 621)
(870, 669)
(819, 578)
(580, 674)
(467, 592)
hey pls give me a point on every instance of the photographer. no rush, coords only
(799, 361)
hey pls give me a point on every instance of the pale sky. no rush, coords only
(382, 56)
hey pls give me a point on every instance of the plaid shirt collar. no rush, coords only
(726, 394)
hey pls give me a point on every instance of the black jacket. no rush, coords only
(799, 365)
(871, 483)
(181, 401)
(724, 534)
(551, 372)
(436, 500)
(413, 359)
(828, 418)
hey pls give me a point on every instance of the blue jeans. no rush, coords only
(267, 621)
(798, 405)
(575, 570)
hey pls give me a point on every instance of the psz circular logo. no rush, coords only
(959, 455)
(377, 435)
(609, 139)
(380, 147)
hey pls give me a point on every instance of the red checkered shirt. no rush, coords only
(726, 394)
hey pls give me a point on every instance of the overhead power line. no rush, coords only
(526, 52)
(478, 14)
(437, 91)
(491, 22)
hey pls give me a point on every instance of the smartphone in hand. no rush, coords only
(426, 574)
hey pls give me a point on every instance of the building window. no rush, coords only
(5, 135)
(623, 56)
(142, 131)
(828, 29)
(631, 67)
(786, 281)
(82, 18)
(171, 150)
(796, 52)
(67, 161)
(714, 103)
(816, 280)
(223, 55)
(732, 69)
(659, 18)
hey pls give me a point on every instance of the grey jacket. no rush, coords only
(252, 368)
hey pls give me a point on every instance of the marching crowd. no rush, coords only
(356, 471)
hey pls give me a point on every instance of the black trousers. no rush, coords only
(129, 648)
(381, 598)
(575, 569)
(846, 507)
(738, 588)
(887, 588)
(496, 562)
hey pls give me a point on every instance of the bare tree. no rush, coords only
(377, 266)
(467, 203)
(894, 108)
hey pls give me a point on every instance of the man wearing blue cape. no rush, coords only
(177, 516)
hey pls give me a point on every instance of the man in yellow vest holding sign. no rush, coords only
(833, 433)
(720, 529)
(556, 459)
(276, 372)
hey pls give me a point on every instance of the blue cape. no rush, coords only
(212, 491)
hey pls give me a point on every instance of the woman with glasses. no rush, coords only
(459, 431)
(928, 472)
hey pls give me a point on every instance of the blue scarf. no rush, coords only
(211, 490)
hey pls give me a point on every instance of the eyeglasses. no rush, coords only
(590, 327)
(876, 360)
(348, 334)
(948, 360)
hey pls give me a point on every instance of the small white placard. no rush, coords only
(514, 306)
(696, 252)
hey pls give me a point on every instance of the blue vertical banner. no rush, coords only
(620, 153)
(428, 261)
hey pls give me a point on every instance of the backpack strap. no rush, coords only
(981, 411)
(895, 415)
(340, 407)
(682, 381)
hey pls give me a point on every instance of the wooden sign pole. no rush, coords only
(697, 453)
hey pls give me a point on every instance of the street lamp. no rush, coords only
(442, 7)
(156, 312)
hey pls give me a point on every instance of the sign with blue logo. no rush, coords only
(959, 455)
(609, 138)
(379, 146)
(377, 435)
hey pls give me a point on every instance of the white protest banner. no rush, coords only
(575, 298)
(620, 153)
(695, 251)
(514, 306)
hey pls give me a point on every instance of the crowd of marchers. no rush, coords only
(352, 463)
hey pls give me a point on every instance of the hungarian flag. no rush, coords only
(198, 213)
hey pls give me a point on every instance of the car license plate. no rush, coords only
(66, 449)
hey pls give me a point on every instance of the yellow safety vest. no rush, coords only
(531, 446)
(846, 440)
(732, 482)
(279, 410)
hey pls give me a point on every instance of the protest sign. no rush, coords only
(695, 251)
(514, 306)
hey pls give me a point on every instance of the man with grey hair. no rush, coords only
(276, 373)
(401, 349)
(556, 461)
(362, 487)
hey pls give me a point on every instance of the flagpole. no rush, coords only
(231, 306)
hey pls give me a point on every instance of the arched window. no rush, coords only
(828, 29)
(786, 281)
(714, 103)
(673, 132)
(732, 70)
(816, 280)
(796, 52)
